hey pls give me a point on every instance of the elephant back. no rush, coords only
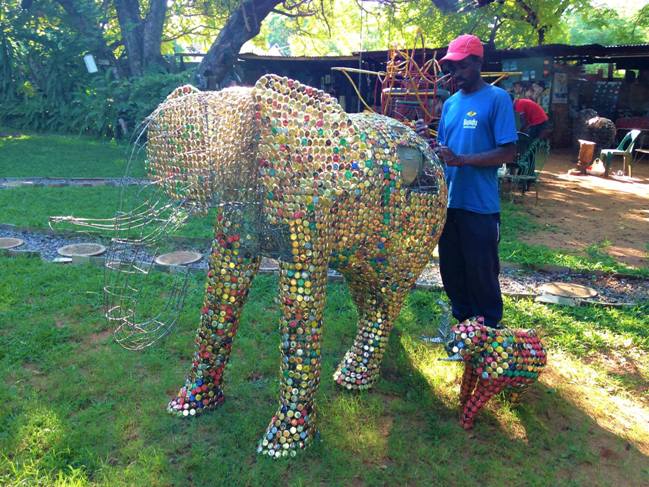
(308, 149)
(201, 145)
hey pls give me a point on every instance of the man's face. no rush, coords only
(464, 72)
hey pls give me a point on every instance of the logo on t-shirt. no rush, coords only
(470, 123)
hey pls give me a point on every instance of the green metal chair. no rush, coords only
(625, 150)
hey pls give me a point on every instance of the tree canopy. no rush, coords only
(42, 42)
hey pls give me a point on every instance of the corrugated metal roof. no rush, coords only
(255, 57)
(586, 53)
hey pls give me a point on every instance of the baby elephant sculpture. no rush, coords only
(494, 360)
(292, 176)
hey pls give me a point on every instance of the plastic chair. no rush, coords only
(530, 165)
(625, 150)
(506, 172)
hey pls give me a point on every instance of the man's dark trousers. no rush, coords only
(468, 262)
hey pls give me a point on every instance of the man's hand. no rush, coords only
(448, 156)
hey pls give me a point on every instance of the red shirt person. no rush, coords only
(535, 120)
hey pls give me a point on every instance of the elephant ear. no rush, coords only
(309, 148)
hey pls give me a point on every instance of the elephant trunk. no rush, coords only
(201, 158)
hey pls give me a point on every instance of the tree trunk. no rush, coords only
(128, 15)
(242, 25)
(142, 37)
(494, 31)
(153, 26)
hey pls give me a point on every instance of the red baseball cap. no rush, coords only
(463, 46)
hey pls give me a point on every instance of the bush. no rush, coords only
(93, 109)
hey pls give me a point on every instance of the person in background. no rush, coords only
(534, 120)
(477, 134)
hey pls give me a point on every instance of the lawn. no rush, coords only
(49, 155)
(86, 157)
(76, 409)
(85, 202)
(102, 202)
(516, 223)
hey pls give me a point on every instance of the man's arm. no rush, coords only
(524, 122)
(495, 157)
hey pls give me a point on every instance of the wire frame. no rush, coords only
(193, 145)
(198, 150)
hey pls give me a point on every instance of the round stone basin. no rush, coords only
(568, 290)
(10, 243)
(81, 250)
(180, 257)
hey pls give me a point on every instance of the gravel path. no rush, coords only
(518, 281)
(514, 280)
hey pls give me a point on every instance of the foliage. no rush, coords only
(44, 84)
(607, 27)
(512, 23)
(94, 107)
(75, 409)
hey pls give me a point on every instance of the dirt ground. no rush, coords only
(582, 210)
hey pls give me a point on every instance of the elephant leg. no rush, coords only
(359, 369)
(484, 391)
(302, 295)
(229, 277)
(469, 379)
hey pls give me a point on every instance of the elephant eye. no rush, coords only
(411, 160)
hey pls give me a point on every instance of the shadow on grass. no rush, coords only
(78, 406)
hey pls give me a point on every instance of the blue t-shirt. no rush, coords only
(470, 124)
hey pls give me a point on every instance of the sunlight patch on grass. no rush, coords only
(443, 378)
(39, 456)
(508, 419)
(611, 407)
(40, 433)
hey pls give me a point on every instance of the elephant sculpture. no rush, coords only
(495, 360)
(294, 177)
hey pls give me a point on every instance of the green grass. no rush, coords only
(44, 155)
(68, 156)
(515, 223)
(31, 208)
(76, 409)
(101, 202)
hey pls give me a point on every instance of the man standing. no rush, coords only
(477, 134)
(534, 119)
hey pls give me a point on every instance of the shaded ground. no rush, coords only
(579, 212)
(76, 409)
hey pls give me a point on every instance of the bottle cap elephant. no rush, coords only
(294, 177)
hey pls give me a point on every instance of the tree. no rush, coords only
(245, 20)
(142, 35)
(84, 18)
(605, 26)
